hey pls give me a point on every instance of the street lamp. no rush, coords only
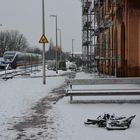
(60, 44)
(72, 48)
(55, 16)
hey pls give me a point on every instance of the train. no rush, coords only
(14, 59)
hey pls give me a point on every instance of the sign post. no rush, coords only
(43, 40)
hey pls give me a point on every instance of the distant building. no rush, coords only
(77, 54)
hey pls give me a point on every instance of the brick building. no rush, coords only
(117, 49)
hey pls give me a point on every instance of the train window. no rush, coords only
(8, 57)
(18, 57)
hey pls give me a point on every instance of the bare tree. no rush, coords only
(12, 41)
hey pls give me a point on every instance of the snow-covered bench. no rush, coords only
(102, 92)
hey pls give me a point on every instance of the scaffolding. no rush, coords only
(87, 27)
(91, 33)
(95, 45)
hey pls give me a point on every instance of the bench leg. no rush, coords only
(71, 99)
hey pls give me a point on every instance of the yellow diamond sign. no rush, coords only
(43, 39)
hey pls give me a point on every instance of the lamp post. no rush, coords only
(55, 16)
(60, 44)
(72, 48)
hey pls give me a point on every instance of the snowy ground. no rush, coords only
(19, 95)
(70, 117)
(29, 111)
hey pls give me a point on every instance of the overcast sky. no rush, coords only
(26, 17)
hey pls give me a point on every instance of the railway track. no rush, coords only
(9, 74)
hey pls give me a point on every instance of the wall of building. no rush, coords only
(133, 38)
(122, 58)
